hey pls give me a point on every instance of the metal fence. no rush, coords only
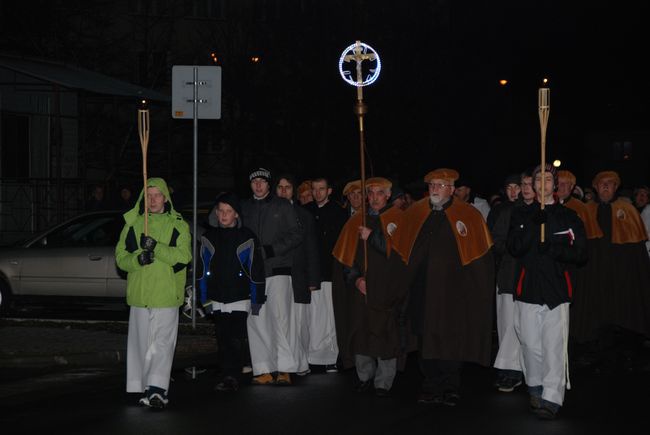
(28, 206)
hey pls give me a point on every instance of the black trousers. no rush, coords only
(440, 376)
(232, 341)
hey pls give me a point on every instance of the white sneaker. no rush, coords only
(304, 372)
(246, 369)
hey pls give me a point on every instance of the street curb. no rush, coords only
(92, 359)
(106, 357)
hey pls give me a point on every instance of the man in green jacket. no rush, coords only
(156, 266)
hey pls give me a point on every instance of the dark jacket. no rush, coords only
(233, 269)
(499, 225)
(274, 222)
(544, 272)
(305, 271)
(329, 218)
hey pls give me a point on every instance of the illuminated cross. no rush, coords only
(359, 56)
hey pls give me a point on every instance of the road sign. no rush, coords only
(208, 88)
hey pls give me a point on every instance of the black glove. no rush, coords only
(539, 217)
(255, 309)
(145, 257)
(147, 243)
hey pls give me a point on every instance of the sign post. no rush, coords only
(196, 94)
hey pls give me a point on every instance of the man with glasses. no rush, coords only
(446, 244)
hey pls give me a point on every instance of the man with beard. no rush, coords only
(617, 276)
(330, 218)
(374, 276)
(446, 245)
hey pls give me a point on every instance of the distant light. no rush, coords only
(255, 59)
(214, 57)
(557, 163)
(503, 82)
(545, 81)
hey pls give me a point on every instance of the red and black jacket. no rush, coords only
(544, 271)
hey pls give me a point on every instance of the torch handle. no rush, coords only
(143, 131)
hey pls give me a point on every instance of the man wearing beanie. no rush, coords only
(231, 286)
(507, 361)
(511, 193)
(548, 244)
(274, 340)
(617, 277)
(463, 191)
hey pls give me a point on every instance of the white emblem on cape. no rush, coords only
(390, 228)
(461, 228)
(620, 214)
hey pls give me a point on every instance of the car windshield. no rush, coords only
(94, 230)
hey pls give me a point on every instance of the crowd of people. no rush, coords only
(296, 281)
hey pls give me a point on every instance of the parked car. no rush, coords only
(74, 259)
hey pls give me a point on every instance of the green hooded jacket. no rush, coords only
(160, 284)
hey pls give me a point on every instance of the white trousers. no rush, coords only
(276, 337)
(150, 347)
(544, 338)
(382, 370)
(323, 348)
(508, 356)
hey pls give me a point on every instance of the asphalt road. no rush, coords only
(93, 400)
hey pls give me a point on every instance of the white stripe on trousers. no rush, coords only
(150, 347)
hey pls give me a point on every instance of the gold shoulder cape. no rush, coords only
(589, 220)
(345, 249)
(627, 226)
(473, 238)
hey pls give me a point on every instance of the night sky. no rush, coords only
(438, 101)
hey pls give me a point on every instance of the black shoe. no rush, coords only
(331, 368)
(545, 413)
(547, 410)
(535, 403)
(382, 392)
(508, 385)
(227, 385)
(157, 401)
(363, 386)
(429, 398)
(450, 398)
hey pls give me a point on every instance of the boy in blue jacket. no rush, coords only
(232, 284)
